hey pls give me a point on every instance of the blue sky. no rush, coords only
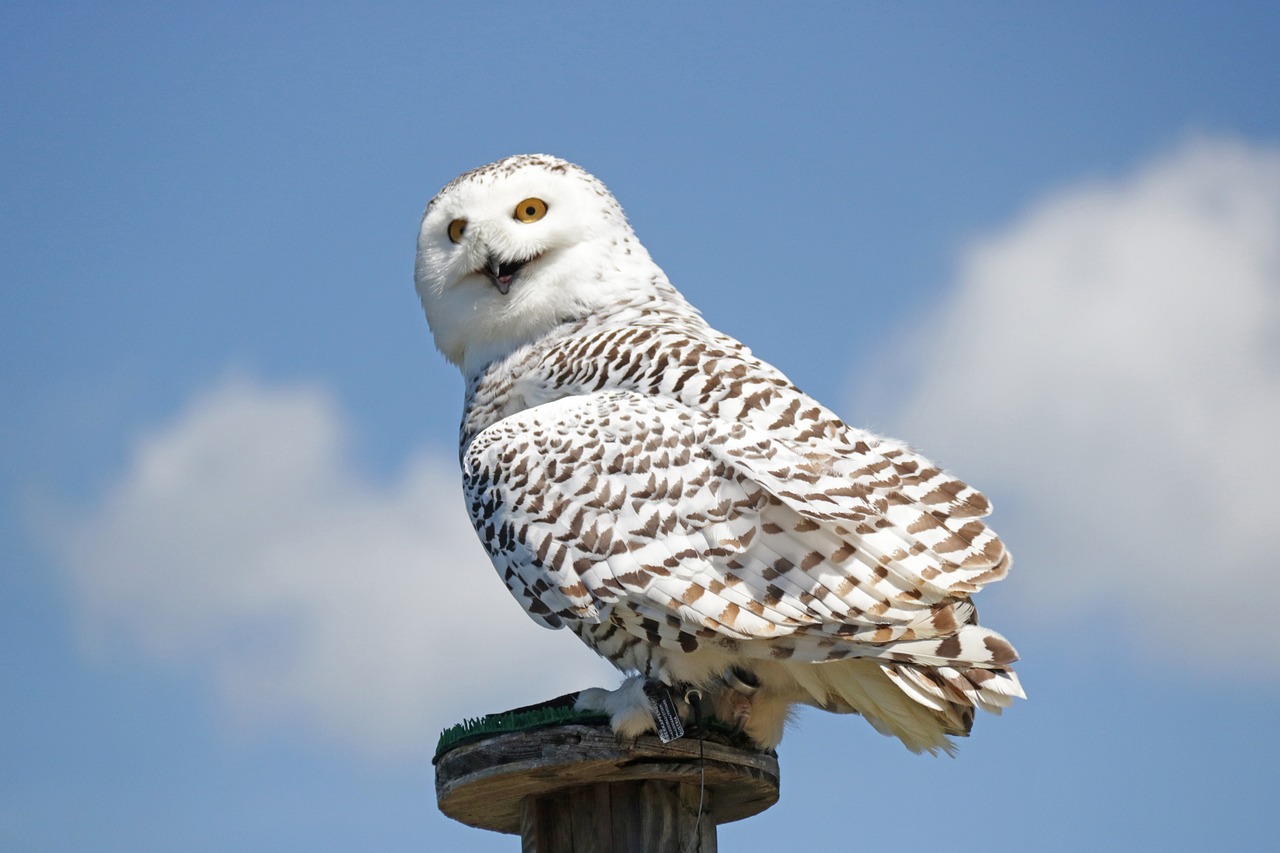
(1040, 241)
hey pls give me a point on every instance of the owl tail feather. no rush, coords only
(923, 706)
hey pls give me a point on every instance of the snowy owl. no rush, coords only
(710, 529)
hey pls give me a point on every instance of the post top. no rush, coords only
(482, 782)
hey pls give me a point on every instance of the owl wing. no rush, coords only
(686, 520)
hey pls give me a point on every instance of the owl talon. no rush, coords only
(742, 680)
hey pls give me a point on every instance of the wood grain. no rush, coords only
(578, 789)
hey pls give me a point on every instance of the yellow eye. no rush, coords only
(531, 210)
(456, 227)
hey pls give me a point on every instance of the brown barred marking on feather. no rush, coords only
(1001, 652)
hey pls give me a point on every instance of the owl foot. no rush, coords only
(759, 712)
(631, 707)
(627, 707)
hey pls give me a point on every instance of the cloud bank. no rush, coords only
(242, 543)
(1109, 365)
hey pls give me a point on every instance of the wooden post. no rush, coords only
(577, 788)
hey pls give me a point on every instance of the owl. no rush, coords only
(643, 480)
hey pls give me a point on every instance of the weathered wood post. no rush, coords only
(574, 787)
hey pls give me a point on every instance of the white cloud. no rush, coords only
(242, 542)
(1110, 366)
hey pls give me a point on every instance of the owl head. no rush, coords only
(509, 251)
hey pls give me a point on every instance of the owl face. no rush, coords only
(508, 251)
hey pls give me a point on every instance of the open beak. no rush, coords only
(502, 272)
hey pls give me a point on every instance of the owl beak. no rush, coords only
(501, 273)
(493, 269)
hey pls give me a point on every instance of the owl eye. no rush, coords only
(531, 210)
(456, 227)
